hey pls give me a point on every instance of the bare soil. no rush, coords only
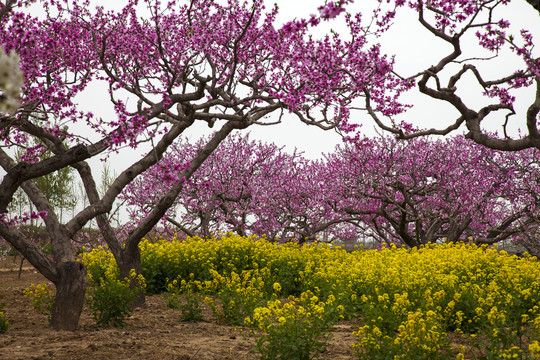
(153, 331)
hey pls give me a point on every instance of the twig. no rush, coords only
(196, 352)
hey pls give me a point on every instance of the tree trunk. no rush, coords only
(130, 258)
(70, 291)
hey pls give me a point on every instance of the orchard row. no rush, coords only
(374, 190)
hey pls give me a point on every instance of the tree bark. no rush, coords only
(70, 291)
(128, 259)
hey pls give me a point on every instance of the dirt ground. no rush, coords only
(153, 331)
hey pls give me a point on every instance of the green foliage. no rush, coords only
(110, 298)
(58, 187)
(6, 250)
(19, 202)
(42, 298)
(191, 309)
(4, 324)
(191, 306)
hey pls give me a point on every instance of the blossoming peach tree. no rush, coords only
(423, 191)
(170, 65)
(167, 66)
(245, 186)
(379, 189)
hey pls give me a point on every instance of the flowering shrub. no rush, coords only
(174, 259)
(296, 329)
(420, 336)
(109, 296)
(191, 306)
(99, 263)
(237, 295)
(534, 349)
(505, 339)
(42, 298)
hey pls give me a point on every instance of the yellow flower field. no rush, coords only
(408, 301)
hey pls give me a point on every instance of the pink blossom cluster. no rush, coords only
(17, 220)
(151, 58)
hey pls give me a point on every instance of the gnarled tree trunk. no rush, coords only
(70, 290)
